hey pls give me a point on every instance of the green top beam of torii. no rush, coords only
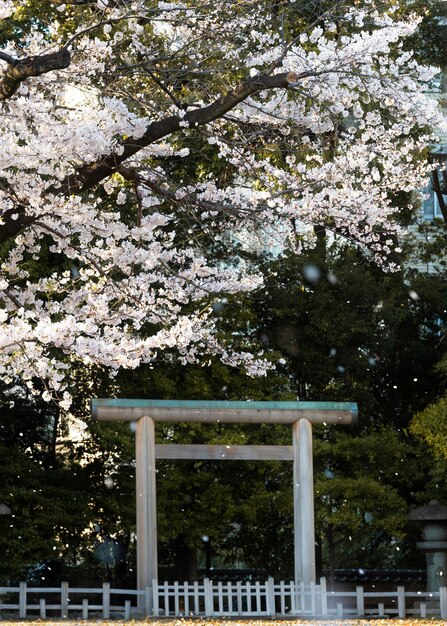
(224, 411)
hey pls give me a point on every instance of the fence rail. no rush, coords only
(217, 599)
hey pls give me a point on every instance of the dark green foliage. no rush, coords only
(428, 44)
(354, 333)
(346, 331)
(58, 492)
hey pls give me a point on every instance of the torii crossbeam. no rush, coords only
(301, 415)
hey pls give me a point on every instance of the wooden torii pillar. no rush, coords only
(301, 415)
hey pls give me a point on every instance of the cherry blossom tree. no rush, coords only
(139, 136)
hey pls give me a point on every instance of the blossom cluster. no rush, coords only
(112, 167)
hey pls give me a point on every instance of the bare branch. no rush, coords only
(163, 87)
(13, 299)
(439, 193)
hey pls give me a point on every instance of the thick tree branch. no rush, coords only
(90, 175)
(19, 70)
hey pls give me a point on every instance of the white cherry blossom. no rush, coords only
(154, 133)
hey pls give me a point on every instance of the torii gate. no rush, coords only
(300, 414)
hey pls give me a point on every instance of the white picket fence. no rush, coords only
(218, 599)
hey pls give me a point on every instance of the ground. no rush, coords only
(231, 622)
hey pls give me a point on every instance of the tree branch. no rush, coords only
(19, 70)
(163, 87)
(90, 175)
(439, 194)
(112, 3)
(187, 199)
